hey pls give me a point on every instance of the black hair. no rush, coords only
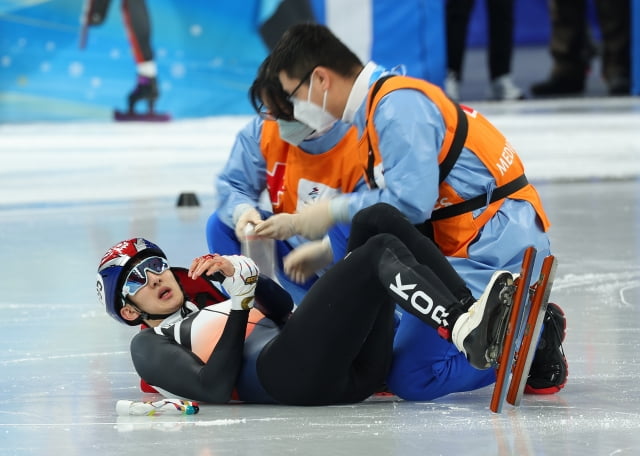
(305, 46)
(266, 91)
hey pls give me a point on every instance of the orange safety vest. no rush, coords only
(296, 178)
(452, 224)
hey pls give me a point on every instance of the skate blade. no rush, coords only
(494, 350)
(121, 116)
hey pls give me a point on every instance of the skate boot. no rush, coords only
(548, 372)
(146, 89)
(479, 333)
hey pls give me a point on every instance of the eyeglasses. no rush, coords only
(302, 81)
(265, 112)
(137, 278)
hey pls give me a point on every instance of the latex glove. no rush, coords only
(279, 226)
(314, 221)
(251, 215)
(306, 259)
(241, 276)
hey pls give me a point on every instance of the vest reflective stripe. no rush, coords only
(296, 178)
(453, 235)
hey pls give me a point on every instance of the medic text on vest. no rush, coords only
(506, 159)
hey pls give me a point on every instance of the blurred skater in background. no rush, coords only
(138, 28)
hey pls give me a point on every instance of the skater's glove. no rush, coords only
(279, 226)
(314, 221)
(249, 215)
(241, 285)
(308, 258)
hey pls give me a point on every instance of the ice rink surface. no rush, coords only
(69, 191)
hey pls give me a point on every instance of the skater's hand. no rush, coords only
(241, 276)
(242, 284)
(210, 264)
(306, 259)
(279, 226)
(251, 215)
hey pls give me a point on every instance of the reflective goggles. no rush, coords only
(137, 278)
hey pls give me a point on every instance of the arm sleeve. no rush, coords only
(161, 362)
(273, 300)
(410, 131)
(244, 176)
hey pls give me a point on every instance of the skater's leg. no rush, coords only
(418, 290)
(337, 346)
(312, 360)
(384, 218)
(426, 367)
(138, 26)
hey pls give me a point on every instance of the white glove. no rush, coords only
(306, 259)
(241, 285)
(314, 221)
(251, 215)
(279, 226)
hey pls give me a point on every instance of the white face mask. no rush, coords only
(311, 114)
(293, 132)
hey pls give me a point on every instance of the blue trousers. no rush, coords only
(425, 366)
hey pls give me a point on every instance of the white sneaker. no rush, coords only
(479, 333)
(503, 88)
(452, 86)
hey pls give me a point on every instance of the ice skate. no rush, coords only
(524, 330)
(480, 332)
(145, 90)
(548, 373)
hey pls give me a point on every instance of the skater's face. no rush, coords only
(158, 293)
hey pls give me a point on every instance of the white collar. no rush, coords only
(177, 316)
(358, 93)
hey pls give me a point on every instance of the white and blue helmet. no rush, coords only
(114, 267)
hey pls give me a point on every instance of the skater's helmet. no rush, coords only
(114, 267)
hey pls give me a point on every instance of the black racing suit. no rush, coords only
(337, 345)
